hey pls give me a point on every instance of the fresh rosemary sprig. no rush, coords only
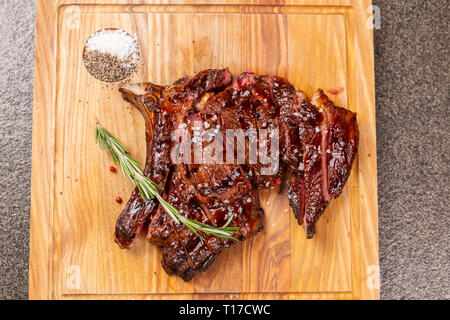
(150, 190)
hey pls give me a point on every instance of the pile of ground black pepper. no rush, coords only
(107, 68)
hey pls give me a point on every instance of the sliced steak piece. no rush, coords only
(163, 108)
(329, 135)
(256, 109)
(290, 100)
(249, 119)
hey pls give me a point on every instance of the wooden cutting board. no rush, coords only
(314, 44)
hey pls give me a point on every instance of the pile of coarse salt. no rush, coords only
(111, 55)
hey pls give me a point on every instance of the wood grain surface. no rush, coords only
(314, 44)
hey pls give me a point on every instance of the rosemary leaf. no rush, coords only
(150, 190)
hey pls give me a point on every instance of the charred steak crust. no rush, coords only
(318, 145)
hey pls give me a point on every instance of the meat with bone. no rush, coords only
(318, 144)
(163, 108)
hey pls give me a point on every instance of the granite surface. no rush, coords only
(412, 78)
(413, 146)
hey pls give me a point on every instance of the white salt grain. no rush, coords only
(117, 43)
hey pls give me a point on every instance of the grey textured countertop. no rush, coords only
(412, 77)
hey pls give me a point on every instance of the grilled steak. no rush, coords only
(317, 143)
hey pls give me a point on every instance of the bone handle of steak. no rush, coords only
(136, 212)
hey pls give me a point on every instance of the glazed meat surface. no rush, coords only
(317, 144)
(329, 137)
